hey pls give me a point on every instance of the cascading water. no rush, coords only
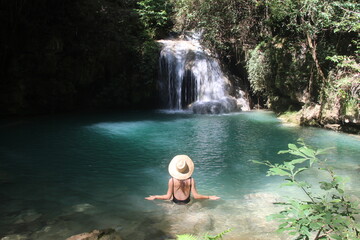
(190, 78)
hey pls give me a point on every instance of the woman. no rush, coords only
(181, 185)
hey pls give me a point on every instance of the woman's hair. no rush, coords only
(183, 185)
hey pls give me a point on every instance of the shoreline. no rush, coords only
(296, 119)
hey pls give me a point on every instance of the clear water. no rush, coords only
(65, 175)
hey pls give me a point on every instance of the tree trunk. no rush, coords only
(311, 41)
(311, 84)
(312, 44)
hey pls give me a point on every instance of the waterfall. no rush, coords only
(190, 78)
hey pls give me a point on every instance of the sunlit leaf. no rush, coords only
(307, 151)
(292, 146)
(279, 172)
(283, 151)
(186, 237)
(300, 170)
(325, 186)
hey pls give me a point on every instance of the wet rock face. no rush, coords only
(328, 117)
(106, 234)
(311, 115)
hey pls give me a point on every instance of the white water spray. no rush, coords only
(191, 78)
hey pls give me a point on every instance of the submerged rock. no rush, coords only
(105, 234)
(335, 127)
(224, 105)
(82, 207)
(27, 216)
(15, 237)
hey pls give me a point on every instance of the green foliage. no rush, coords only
(155, 15)
(347, 17)
(259, 70)
(59, 55)
(281, 44)
(185, 14)
(311, 16)
(345, 84)
(328, 216)
(186, 237)
(205, 237)
(226, 24)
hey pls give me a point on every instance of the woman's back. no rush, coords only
(181, 184)
(181, 189)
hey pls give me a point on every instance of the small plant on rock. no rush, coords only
(205, 237)
(329, 215)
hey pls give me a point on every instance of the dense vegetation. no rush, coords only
(64, 55)
(289, 54)
(295, 54)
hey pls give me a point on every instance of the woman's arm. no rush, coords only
(167, 196)
(196, 195)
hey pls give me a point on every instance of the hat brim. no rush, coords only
(175, 173)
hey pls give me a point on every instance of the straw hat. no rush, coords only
(181, 167)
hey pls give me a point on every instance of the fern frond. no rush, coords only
(186, 237)
(217, 237)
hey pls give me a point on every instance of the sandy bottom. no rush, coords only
(164, 220)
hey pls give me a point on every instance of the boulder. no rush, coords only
(224, 105)
(106, 234)
(334, 127)
(27, 216)
(310, 115)
(15, 237)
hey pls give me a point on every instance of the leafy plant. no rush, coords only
(155, 15)
(205, 237)
(328, 216)
(259, 70)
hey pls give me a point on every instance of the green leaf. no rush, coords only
(289, 166)
(218, 236)
(305, 231)
(186, 237)
(283, 225)
(307, 151)
(315, 225)
(283, 151)
(340, 190)
(275, 216)
(257, 162)
(278, 171)
(298, 160)
(300, 170)
(326, 186)
(298, 153)
(293, 147)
